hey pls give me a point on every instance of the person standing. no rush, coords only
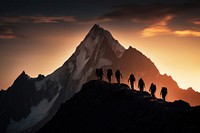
(141, 84)
(152, 89)
(109, 75)
(118, 75)
(132, 80)
(99, 73)
(163, 93)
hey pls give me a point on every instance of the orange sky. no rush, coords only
(176, 56)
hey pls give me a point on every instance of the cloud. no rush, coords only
(95, 21)
(195, 21)
(7, 24)
(157, 18)
(8, 33)
(135, 13)
(37, 19)
(159, 28)
(47, 19)
(6, 36)
(150, 12)
(183, 33)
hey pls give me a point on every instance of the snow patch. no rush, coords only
(114, 44)
(117, 48)
(104, 62)
(53, 77)
(80, 63)
(90, 44)
(40, 84)
(85, 78)
(37, 114)
(70, 67)
(97, 39)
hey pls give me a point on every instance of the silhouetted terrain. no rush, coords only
(104, 107)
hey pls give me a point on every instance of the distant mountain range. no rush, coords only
(31, 102)
(101, 107)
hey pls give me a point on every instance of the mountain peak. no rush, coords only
(190, 89)
(21, 78)
(23, 75)
(96, 31)
(96, 26)
(101, 37)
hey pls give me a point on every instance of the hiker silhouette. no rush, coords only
(152, 89)
(118, 75)
(141, 84)
(109, 74)
(163, 93)
(99, 73)
(132, 80)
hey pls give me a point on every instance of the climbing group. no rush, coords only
(99, 74)
(141, 85)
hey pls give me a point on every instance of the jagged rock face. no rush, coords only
(40, 98)
(104, 107)
(16, 103)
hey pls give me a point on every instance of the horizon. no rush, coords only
(39, 44)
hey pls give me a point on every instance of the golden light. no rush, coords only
(159, 28)
(187, 33)
(197, 22)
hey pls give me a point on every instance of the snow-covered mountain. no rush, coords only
(30, 102)
(37, 99)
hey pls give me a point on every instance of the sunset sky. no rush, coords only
(38, 36)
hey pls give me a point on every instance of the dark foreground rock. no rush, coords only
(103, 107)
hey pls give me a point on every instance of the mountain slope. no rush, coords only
(104, 107)
(16, 102)
(143, 67)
